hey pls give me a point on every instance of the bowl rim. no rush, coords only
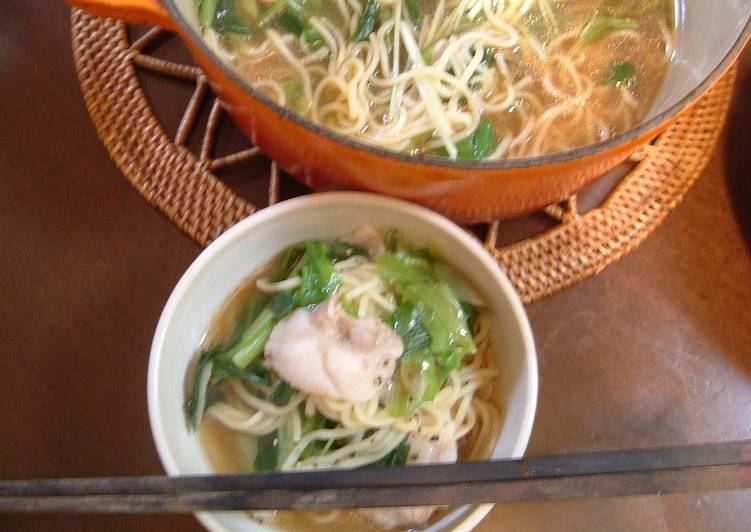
(443, 227)
(644, 128)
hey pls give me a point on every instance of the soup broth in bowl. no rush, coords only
(358, 352)
(464, 79)
(368, 369)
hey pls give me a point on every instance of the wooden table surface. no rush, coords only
(655, 350)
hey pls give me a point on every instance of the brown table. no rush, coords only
(655, 350)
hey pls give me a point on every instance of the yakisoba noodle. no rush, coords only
(482, 79)
(434, 404)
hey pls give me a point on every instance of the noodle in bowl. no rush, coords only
(242, 250)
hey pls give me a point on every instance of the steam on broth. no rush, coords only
(359, 352)
(466, 79)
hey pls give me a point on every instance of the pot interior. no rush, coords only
(709, 35)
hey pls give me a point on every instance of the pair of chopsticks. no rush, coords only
(709, 467)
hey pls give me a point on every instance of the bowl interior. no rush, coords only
(238, 253)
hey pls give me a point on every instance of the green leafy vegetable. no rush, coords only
(414, 279)
(249, 313)
(207, 12)
(413, 8)
(426, 375)
(282, 394)
(290, 259)
(290, 22)
(253, 339)
(622, 73)
(402, 268)
(221, 16)
(213, 367)
(337, 251)
(367, 22)
(432, 324)
(481, 143)
(256, 372)
(274, 448)
(313, 38)
(272, 12)
(443, 317)
(295, 256)
(407, 323)
(298, 25)
(396, 457)
(268, 453)
(198, 398)
(226, 21)
(319, 277)
(349, 307)
(309, 424)
(602, 25)
(309, 8)
(284, 442)
(281, 304)
(220, 366)
(395, 241)
(484, 140)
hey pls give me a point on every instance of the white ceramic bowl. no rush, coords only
(234, 256)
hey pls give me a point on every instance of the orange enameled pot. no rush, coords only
(708, 40)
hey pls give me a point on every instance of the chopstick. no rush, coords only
(708, 467)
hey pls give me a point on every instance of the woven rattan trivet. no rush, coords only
(183, 185)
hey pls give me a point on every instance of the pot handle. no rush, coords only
(134, 11)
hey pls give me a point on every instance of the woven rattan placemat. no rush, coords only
(183, 184)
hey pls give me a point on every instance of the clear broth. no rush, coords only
(229, 451)
(600, 116)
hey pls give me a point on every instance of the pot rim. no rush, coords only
(644, 128)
